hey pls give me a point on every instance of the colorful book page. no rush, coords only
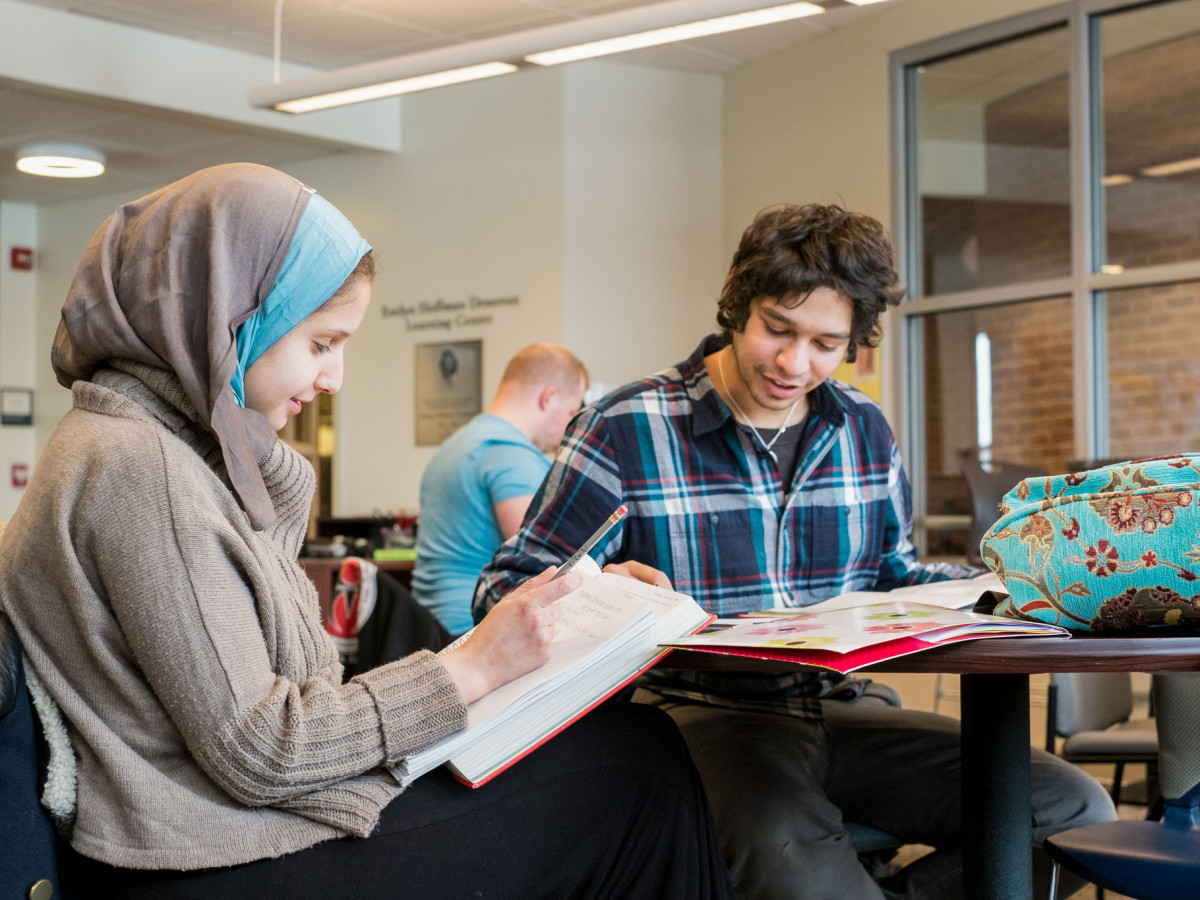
(846, 639)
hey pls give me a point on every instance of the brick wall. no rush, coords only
(1153, 371)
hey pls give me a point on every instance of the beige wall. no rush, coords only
(642, 258)
(64, 230)
(18, 310)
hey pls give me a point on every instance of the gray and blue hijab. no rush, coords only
(324, 251)
(201, 278)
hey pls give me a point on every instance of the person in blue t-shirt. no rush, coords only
(477, 487)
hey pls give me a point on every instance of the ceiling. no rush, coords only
(331, 34)
(148, 146)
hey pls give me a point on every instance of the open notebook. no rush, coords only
(611, 631)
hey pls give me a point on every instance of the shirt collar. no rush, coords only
(709, 411)
(826, 401)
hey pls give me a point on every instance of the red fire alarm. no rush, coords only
(20, 475)
(22, 258)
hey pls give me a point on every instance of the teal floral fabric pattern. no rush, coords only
(1112, 549)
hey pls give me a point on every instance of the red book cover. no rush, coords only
(575, 718)
(843, 663)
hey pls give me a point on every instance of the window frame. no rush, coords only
(904, 387)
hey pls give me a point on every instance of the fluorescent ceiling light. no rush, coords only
(865, 2)
(1112, 269)
(1173, 168)
(393, 88)
(1115, 179)
(686, 32)
(418, 71)
(60, 160)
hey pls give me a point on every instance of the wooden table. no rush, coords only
(322, 571)
(997, 831)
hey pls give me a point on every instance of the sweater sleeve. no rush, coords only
(222, 628)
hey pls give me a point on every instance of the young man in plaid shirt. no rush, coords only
(754, 480)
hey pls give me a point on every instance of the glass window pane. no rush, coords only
(993, 164)
(997, 380)
(1151, 103)
(1153, 371)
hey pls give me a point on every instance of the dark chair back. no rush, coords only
(1091, 701)
(398, 626)
(28, 861)
(1093, 710)
(987, 486)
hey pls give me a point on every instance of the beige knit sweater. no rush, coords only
(203, 698)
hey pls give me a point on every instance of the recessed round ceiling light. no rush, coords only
(60, 160)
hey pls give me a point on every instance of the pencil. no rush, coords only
(618, 514)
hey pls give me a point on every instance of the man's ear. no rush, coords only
(545, 396)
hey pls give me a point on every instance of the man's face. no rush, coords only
(783, 353)
(560, 409)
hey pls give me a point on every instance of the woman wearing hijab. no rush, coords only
(150, 572)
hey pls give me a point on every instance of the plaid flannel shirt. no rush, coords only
(706, 506)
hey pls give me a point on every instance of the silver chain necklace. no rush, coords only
(742, 413)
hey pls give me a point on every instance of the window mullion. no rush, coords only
(1086, 124)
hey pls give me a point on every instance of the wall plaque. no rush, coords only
(449, 388)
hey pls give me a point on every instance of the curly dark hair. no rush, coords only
(790, 250)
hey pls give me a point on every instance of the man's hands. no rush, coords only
(640, 572)
(514, 638)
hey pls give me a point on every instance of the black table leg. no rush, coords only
(997, 830)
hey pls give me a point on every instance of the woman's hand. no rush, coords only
(514, 638)
(640, 572)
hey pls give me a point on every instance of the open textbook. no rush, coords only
(954, 593)
(847, 639)
(610, 632)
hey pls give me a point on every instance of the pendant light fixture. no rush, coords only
(57, 159)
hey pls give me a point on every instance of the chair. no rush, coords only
(1092, 711)
(987, 484)
(1150, 860)
(29, 858)
(394, 626)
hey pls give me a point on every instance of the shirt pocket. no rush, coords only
(842, 549)
(716, 550)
